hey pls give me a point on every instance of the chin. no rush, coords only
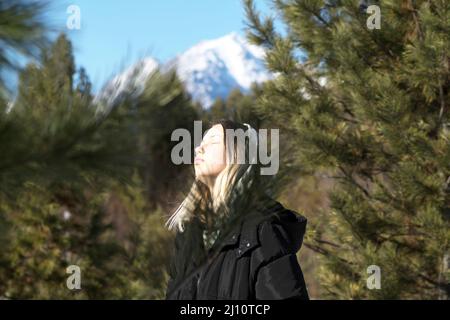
(201, 173)
(202, 178)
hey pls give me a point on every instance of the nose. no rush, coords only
(198, 149)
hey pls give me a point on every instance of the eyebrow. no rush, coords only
(213, 136)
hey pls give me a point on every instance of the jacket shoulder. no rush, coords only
(280, 232)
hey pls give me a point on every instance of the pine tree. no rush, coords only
(162, 107)
(23, 31)
(59, 154)
(64, 159)
(59, 133)
(45, 237)
(238, 106)
(369, 109)
(145, 240)
(44, 86)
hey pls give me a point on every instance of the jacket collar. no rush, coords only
(245, 233)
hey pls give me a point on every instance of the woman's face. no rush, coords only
(210, 157)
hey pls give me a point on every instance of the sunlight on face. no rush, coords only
(210, 155)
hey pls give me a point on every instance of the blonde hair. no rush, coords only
(229, 184)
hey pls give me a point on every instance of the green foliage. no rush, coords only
(237, 106)
(73, 169)
(45, 237)
(54, 133)
(368, 108)
(23, 32)
(146, 243)
(161, 108)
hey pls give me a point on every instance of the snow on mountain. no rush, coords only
(142, 70)
(212, 68)
(132, 79)
(209, 70)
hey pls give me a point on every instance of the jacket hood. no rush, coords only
(292, 223)
(293, 226)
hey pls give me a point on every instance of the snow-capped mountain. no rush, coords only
(212, 68)
(141, 70)
(133, 78)
(209, 70)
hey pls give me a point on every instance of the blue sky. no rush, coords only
(114, 34)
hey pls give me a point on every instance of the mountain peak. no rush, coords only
(209, 70)
(212, 68)
(132, 78)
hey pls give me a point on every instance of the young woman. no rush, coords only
(233, 241)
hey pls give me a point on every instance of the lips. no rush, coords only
(198, 160)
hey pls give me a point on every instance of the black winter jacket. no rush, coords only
(257, 260)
